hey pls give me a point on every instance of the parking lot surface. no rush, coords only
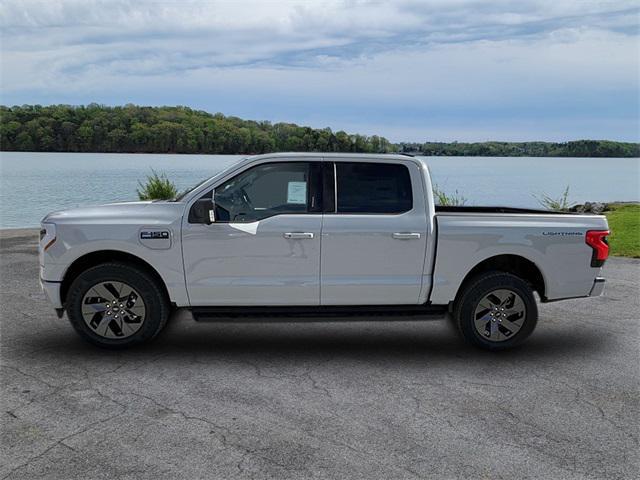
(362, 400)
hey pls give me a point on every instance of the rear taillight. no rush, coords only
(597, 239)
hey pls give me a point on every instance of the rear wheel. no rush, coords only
(496, 311)
(116, 305)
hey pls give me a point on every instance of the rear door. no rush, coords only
(374, 233)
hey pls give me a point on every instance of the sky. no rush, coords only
(431, 70)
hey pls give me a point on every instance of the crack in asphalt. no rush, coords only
(580, 399)
(28, 375)
(61, 441)
(306, 374)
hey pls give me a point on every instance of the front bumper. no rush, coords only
(598, 287)
(52, 292)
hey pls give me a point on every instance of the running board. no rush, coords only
(318, 313)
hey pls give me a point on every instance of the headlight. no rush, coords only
(47, 236)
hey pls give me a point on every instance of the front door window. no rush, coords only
(267, 190)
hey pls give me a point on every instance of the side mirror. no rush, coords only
(202, 211)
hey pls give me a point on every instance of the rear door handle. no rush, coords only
(298, 235)
(406, 236)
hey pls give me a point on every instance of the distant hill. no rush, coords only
(136, 129)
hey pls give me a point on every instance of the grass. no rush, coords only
(560, 204)
(624, 223)
(448, 199)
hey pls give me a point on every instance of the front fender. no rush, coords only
(77, 241)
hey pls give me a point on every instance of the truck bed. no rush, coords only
(553, 242)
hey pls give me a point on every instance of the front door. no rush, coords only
(264, 246)
(374, 235)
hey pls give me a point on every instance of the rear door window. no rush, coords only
(373, 188)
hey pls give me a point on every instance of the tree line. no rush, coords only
(137, 129)
(577, 148)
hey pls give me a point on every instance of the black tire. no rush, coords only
(477, 290)
(156, 311)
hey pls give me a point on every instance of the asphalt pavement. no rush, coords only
(339, 400)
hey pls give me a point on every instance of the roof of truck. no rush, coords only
(380, 156)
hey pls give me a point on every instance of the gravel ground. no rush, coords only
(360, 400)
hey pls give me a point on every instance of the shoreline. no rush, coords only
(19, 232)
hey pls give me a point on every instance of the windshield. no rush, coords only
(181, 196)
(223, 169)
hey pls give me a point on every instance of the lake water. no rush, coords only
(33, 184)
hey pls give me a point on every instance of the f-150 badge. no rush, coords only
(154, 235)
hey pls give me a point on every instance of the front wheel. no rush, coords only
(116, 305)
(496, 311)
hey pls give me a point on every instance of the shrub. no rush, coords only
(445, 199)
(560, 204)
(157, 187)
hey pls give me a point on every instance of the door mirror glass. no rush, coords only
(202, 212)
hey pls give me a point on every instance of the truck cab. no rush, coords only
(311, 231)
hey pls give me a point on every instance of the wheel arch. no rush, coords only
(509, 263)
(92, 259)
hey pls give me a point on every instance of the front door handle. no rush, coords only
(406, 236)
(298, 235)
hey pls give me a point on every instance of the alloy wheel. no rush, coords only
(500, 315)
(113, 310)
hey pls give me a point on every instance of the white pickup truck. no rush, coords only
(304, 235)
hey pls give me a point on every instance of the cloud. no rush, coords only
(440, 66)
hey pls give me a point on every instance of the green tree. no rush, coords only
(132, 128)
